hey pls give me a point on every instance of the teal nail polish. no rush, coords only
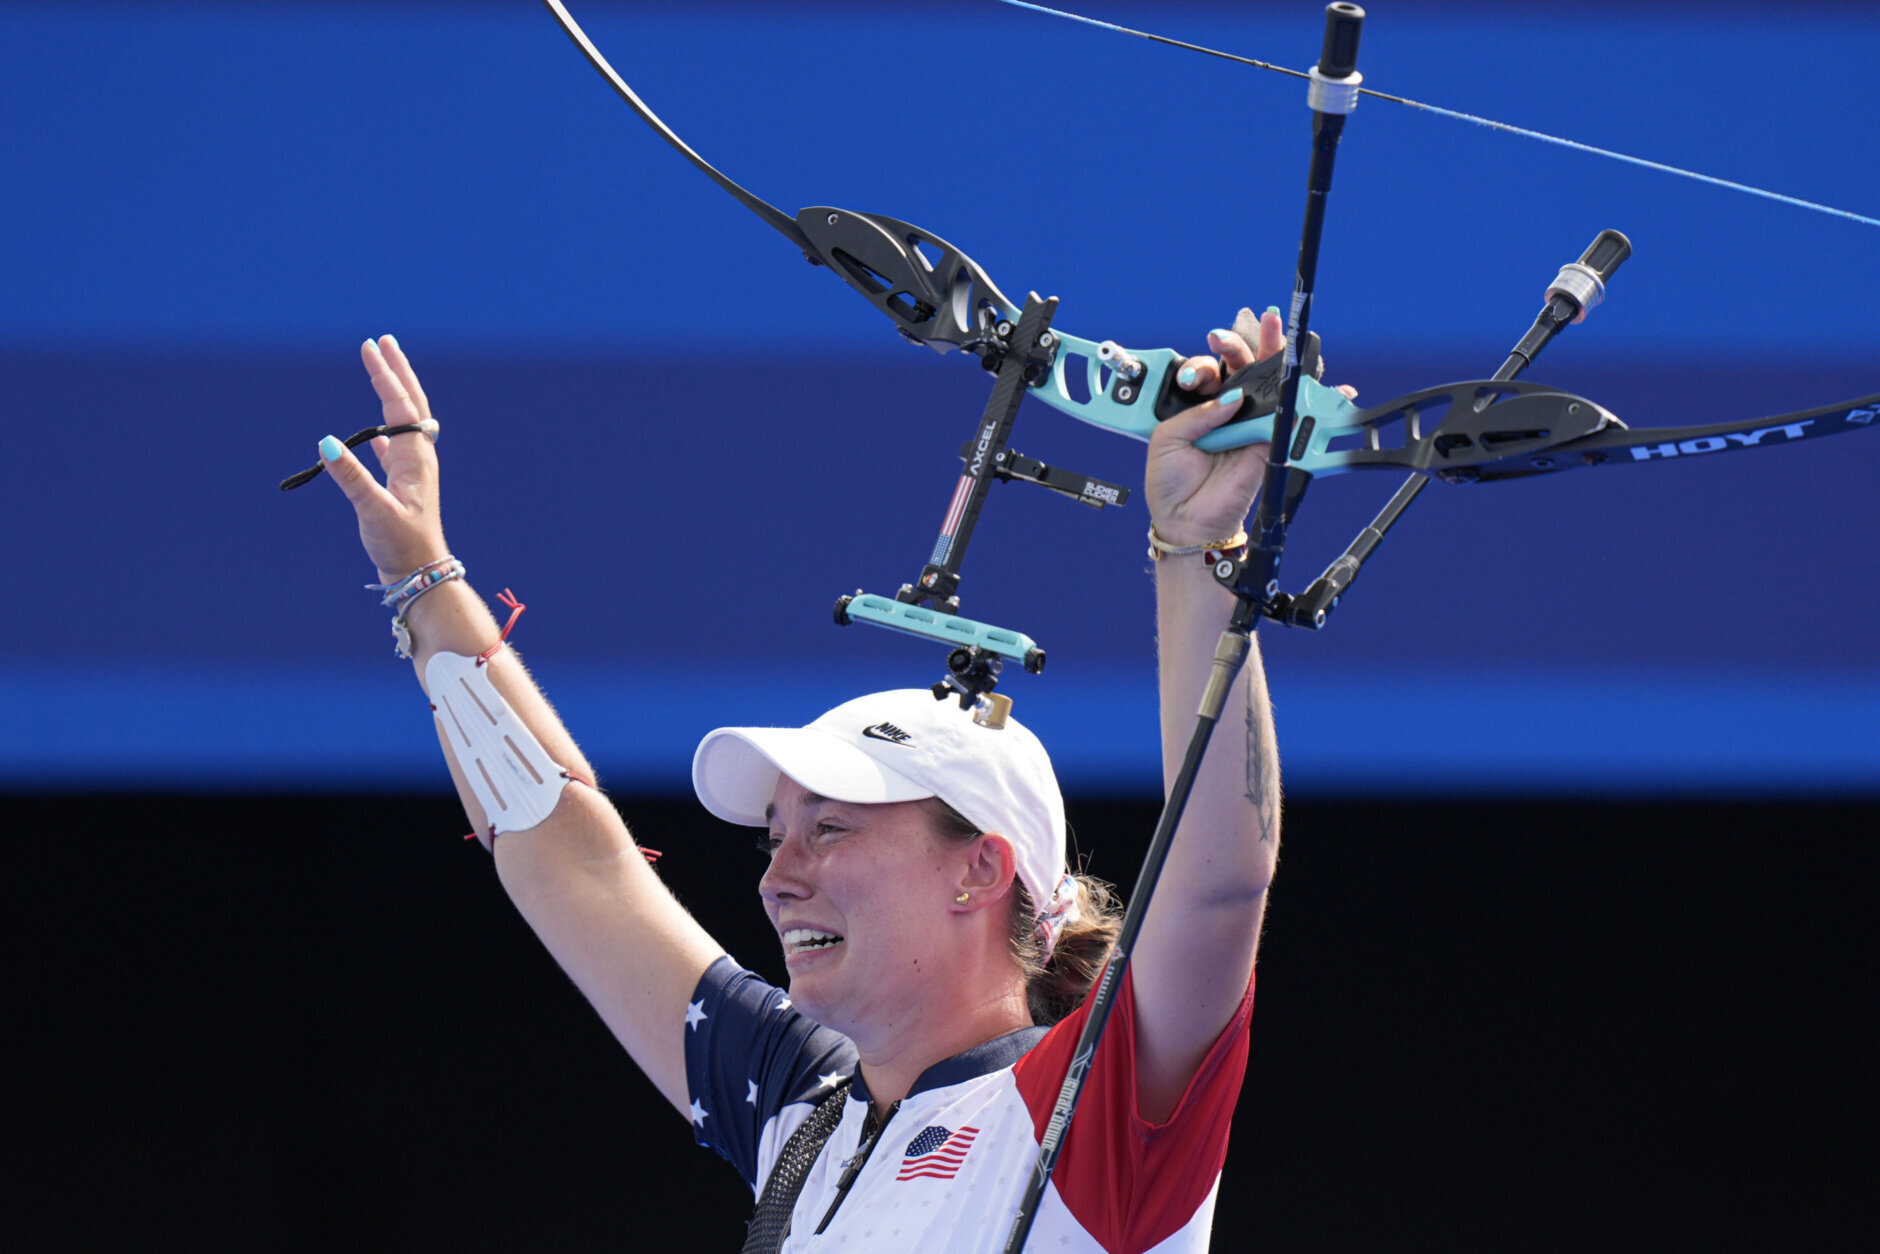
(1217, 333)
(1230, 398)
(1187, 377)
(1272, 309)
(331, 448)
(393, 339)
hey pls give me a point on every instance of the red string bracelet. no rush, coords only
(516, 607)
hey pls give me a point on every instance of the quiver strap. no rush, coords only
(770, 1223)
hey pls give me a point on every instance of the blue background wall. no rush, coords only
(678, 444)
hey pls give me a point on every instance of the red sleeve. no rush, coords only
(1130, 1183)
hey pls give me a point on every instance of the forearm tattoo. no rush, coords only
(1260, 790)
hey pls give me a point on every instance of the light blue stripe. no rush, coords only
(1641, 733)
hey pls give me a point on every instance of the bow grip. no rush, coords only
(1261, 382)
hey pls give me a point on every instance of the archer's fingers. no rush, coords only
(1200, 374)
(401, 366)
(351, 475)
(1252, 338)
(1232, 348)
(395, 398)
(409, 466)
(1266, 334)
(1272, 333)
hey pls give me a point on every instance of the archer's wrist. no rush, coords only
(403, 564)
(453, 619)
(1190, 539)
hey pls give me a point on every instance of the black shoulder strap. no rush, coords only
(770, 1223)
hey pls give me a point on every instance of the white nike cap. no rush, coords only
(904, 746)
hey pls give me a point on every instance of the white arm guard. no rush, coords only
(508, 770)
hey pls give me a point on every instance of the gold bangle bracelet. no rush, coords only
(1160, 548)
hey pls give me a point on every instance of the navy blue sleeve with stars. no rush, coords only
(748, 1058)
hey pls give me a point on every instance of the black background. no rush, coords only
(315, 1022)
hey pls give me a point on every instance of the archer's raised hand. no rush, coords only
(1194, 496)
(399, 523)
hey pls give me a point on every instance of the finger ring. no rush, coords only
(427, 428)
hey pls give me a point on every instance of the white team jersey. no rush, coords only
(949, 1167)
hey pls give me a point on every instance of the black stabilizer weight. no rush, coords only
(1606, 254)
(1339, 57)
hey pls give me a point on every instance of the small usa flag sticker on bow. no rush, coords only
(936, 1153)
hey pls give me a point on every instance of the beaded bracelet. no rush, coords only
(400, 593)
(418, 581)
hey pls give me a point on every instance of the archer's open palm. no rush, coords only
(399, 523)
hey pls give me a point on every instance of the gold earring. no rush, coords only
(961, 899)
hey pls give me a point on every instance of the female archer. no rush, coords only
(939, 948)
